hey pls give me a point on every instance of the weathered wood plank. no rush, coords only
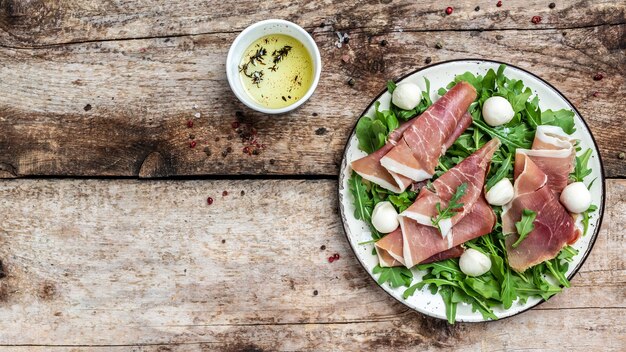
(121, 108)
(44, 22)
(125, 262)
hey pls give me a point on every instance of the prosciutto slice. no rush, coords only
(553, 152)
(389, 250)
(421, 242)
(370, 168)
(554, 226)
(471, 171)
(417, 153)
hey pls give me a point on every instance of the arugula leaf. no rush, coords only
(489, 81)
(562, 118)
(580, 169)
(391, 86)
(533, 112)
(362, 201)
(447, 294)
(587, 216)
(518, 101)
(485, 287)
(426, 95)
(387, 117)
(396, 276)
(451, 209)
(558, 271)
(448, 265)
(513, 137)
(371, 134)
(525, 226)
(503, 170)
(567, 253)
(403, 200)
(469, 77)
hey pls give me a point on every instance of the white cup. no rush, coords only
(251, 34)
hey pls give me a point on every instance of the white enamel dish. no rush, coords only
(440, 75)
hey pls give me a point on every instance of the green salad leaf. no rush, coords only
(372, 134)
(451, 209)
(504, 169)
(562, 118)
(525, 226)
(396, 276)
(587, 217)
(403, 200)
(581, 170)
(362, 199)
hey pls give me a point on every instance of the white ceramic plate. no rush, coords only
(440, 75)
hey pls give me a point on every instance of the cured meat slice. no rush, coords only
(471, 171)
(370, 169)
(389, 250)
(554, 226)
(426, 138)
(421, 242)
(553, 152)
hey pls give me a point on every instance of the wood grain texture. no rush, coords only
(120, 108)
(147, 264)
(27, 23)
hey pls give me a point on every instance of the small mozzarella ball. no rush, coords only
(497, 111)
(501, 193)
(474, 263)
(576, 197)
(406, 96)
(385, 217)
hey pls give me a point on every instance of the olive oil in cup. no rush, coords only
(273, 66)
(276, 71)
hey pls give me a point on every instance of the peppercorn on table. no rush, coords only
(145, 208)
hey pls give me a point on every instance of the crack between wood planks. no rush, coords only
(332, 30)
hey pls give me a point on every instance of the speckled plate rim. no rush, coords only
(342, 175)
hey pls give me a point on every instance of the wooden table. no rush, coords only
(106, 238)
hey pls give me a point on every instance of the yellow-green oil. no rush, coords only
(274, 80)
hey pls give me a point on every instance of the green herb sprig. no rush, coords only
(525, 226)
(451, 209)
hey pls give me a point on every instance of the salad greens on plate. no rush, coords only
(500, 286)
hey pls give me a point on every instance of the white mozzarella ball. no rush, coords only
(406, 96)
(497, 111)
(474, 263)
(385, 217)
(576, 197)
(501, 193)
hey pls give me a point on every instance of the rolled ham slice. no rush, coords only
(554, 226)
(417, 153)
(472, 171)
(370, 168)
(421, 242)
(553, 152)
(390, 253)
